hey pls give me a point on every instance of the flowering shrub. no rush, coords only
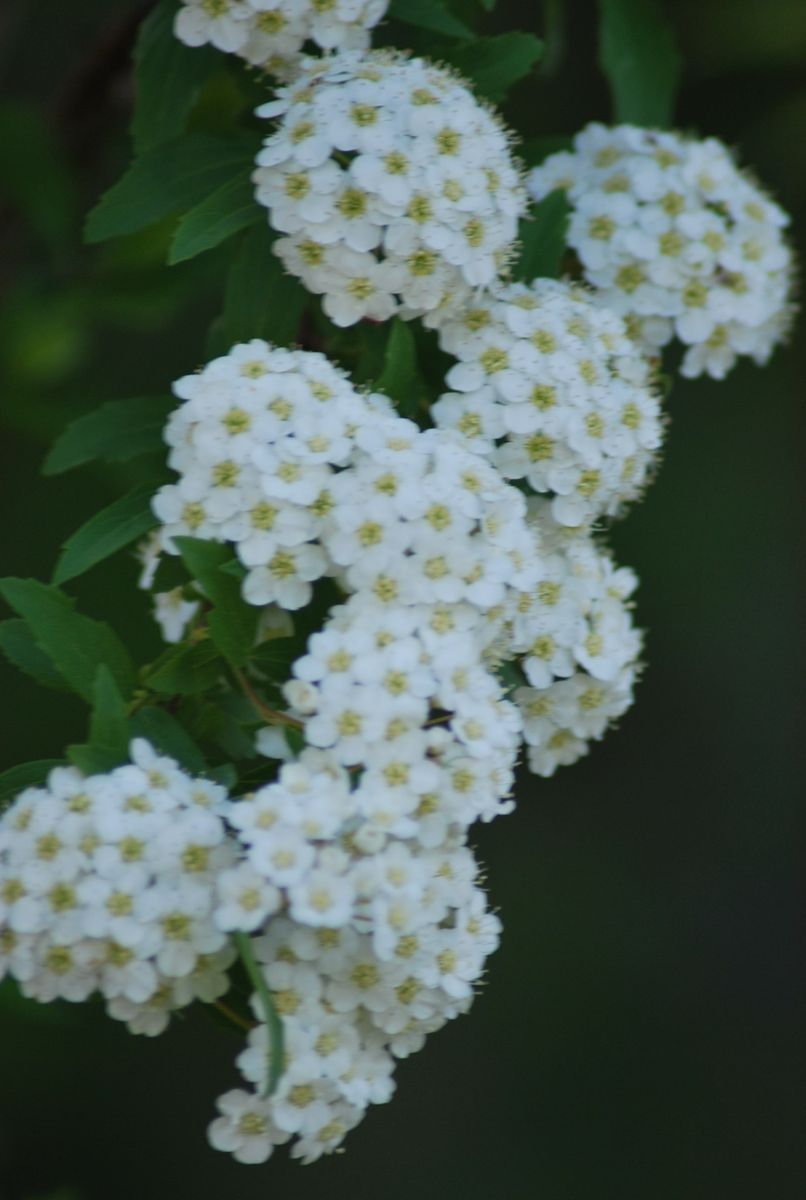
(374, 592)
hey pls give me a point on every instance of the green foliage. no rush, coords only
(185, 669)
(495, 64)
(543, 239)
(170, 178)
(169, 737)
(108, 742)
(231, 621)
(274, 657)
(400, 378)
(75, 644)
(19, 646)
(106, 532)
(225, 212)
(168, 76)
(29, 774)
(429, 14)
(260, 299)
(116, 432)
(637, 53)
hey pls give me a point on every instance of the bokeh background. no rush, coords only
(638, 1036)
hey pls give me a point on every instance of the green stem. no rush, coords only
(274, 1025)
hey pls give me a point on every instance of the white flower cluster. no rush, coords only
(108, 884)
(361, 843)
(382, 943)
(550, 384)
(257, 444)
(676, 238)
(396, 189)
(577, 646)
(272, 33)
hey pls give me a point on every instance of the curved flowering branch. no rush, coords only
(367, 616)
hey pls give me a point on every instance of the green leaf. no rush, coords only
(261, 300)
(184, 670)
(166, 735)
(637, 53)
(109, 723)
(429, 14)
(232, 622)
(108, 531)
(275, 656)
(400, 379)
(295, 739)
(30, 774)
(224, 212)
(274, 1025)
(225, 774)
(168, 76)
(77, 645)
(511, 676)
(234, 568)
(116, 432)
(543, 239)
(214, 724)
(93, 760)
(18, 644)
(494, 64)
(169, 178)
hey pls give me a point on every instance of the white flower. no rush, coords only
(245, 1127)
(224, 23)
(246, 899)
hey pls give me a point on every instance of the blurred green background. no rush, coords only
(639, 1032)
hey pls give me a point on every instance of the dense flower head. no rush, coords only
(678, 240)
(108, 884)
(394, 187)
(279, 455)
(257, 444)
(550, 385)
(272, 33)
(349, 1013)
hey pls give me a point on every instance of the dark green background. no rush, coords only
(638, 1036)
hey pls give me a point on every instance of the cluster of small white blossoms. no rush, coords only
(552, 387)
(272, 33)
(108, 885)
(576, 645)
(258, 443)
(394, 187)
(678, 240)
(381, 942)
(411, 738)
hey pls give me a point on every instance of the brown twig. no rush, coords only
(271, 716)
(231, 1015)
